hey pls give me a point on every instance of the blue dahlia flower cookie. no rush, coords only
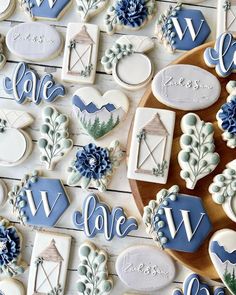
(10, 250)
(94, 166)
(129, 14)
(226, 116)
(182, 29)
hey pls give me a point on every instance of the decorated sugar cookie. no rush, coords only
(129, 14)
(2, 53)
(49, 264)
(89, 8)
(45, 9)
(182, 29)
(93, 166)
(38, 201)
(93, 271)
(221, 57)
(151, 145)
(226, 16)
(193, 285)
(145, 268)
(27, 85)
(129, 53)
(11, 286)
(3, 193)
(34, 41)
(7, 7)
(226, 116)
(11, 264)
(197, 158)
(222, 250)
(186, 87)
(177, 221)
(99, 114)
(15, 143)
(55, 142)
(81, 53)
(98, 218)
(223, 190)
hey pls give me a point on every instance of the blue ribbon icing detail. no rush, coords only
(98, 218)
(222, 55)
(193, 286)
(26, 84)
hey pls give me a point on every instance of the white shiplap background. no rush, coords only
(119, 193)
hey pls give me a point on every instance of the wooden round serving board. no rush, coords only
(144, 192)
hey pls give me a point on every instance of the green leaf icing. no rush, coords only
(197, 157)
(93, 273)
(87, 8)
(54, 143)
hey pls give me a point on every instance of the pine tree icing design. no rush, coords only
(2, 55)
(223, 189)
(93, 272)
(55, 142)
(226, 116)
(11, 263)
(181, 29)
(88, 8)
(177, 221)
(97, 114)
(94, 166)
(130, 14)
(197, 158)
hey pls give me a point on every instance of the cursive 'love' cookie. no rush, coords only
(222, 250)
(99, 114)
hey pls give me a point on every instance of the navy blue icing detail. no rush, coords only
(222, 254)
(96, 213)
(44, 10)
(57, 200)
(195, 207)
(187, 42)
(91, 107)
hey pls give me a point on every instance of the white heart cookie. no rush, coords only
(222, 250)
(11, 287)
(99, 114)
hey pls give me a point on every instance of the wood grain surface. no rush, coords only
(144, 192)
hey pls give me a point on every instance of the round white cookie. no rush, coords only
(11, 287)
(7, 7)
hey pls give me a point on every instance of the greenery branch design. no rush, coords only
(115, 54)
(89, 7)
(197, 157)
(93, 273)
(55, 142)
(151, 219)
(16, 196)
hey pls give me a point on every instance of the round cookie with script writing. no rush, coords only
(145, 268)
(186, 87)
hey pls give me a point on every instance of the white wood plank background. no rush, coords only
(119, 193)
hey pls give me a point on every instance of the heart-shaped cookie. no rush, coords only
(99, 114)
(222, 250)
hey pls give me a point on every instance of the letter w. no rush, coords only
(185, 221)
(189, 27)
(44, 201)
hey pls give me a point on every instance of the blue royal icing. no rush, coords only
(222, 254)
(222, 56)
(178, 221)
(50, 9)
(183, 29)
(96, 218)
(193, 286)
(25, 84)
(40, 201)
